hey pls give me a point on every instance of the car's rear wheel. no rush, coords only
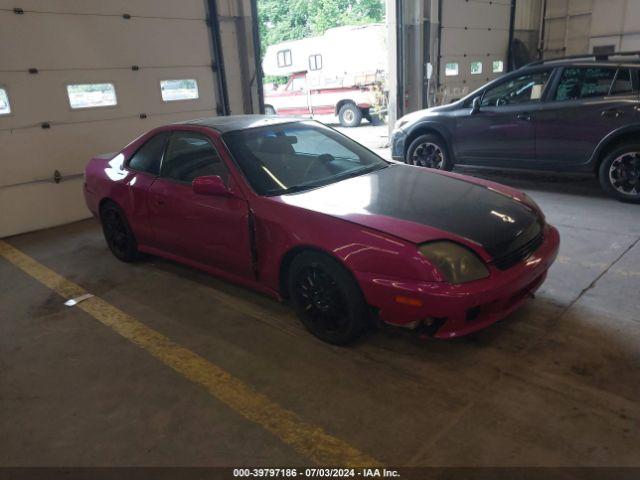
(429, 151)
(350, 115)
(117, 233)
(326, 298)
(619, 173)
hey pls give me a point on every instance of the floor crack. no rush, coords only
(602, 274)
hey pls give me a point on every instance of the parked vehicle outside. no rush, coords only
(574, 114)
(297, 210)
(350, 104)
(341, 73)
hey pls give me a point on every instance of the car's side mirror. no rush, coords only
(210, 185)
(475, 105)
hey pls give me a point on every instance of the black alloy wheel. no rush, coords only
(620, 173)
(118, 234)
(326, 298)
(429, 151)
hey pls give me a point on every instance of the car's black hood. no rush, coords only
(417, 204)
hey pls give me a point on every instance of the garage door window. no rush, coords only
(476, 68)
(498, 66)
(91, 95)
(5, 108)
(451, 69)
(183, 89)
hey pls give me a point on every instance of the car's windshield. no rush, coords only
(291, 157)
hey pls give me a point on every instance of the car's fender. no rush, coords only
(429, 125)
(282, 229)
(612, 138)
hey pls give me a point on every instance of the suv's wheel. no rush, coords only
(326, 298)
(619, 173)
(429, 151)
(349, 115)
(118, 234)
(269, 110)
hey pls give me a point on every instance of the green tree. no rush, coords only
(295, 19)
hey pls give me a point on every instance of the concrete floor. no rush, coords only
(555, 384)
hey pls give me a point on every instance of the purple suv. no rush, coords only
(571, 114)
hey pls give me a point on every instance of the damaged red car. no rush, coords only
(298, 211)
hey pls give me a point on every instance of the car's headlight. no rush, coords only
(456, 263)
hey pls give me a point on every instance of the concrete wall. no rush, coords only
(89, 41)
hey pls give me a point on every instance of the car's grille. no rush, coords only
(521, 252)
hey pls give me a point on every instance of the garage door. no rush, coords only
(474, 39)
(81, 77)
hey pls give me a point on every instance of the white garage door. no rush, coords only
(475, 35)
(81, 77)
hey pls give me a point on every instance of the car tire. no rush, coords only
(326, 298)
(429, 151)
(619, 173)
(350, 115)
(118, 233)
(269, 110)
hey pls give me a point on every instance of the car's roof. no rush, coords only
(239, 122)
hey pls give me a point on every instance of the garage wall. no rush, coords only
(472, 31)
(574, 27)
(89, 41)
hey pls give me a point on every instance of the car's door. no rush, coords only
(588, 103)
(210, 230)
(143, 168)
(502, 131)
(295, 98)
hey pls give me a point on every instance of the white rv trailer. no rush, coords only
(341, 73)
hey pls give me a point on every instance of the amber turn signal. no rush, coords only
(412, 302)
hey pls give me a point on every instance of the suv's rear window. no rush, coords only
(589, 82)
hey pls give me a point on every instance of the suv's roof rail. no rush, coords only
(598, 57)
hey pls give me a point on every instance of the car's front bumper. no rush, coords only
(448, 310)
(398, 138)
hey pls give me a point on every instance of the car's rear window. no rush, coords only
(589, 82)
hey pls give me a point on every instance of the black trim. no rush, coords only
(512, 24)
(253, 243)
(399, 58)
(255, 33)
(218, 59)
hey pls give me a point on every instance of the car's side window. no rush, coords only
(191, 155)
(520, 90)
(147, 158)
(623, 84)
(585, 82)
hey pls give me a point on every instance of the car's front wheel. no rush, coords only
(326, 298)
(117, 233)
(619, 173)
(429, 151)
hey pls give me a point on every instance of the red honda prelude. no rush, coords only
(299, 211)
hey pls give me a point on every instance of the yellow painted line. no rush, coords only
(309, 440)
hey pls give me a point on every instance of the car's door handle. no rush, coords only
(612, 112)
(524, 116)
